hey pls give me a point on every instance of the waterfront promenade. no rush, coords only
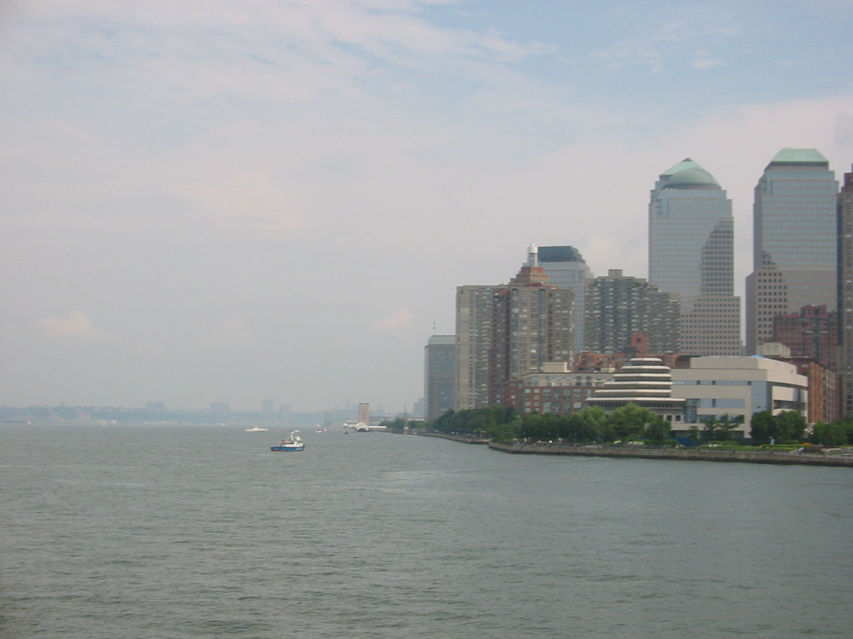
(721, 454)
(842, 457)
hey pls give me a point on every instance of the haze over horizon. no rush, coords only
(237, 201)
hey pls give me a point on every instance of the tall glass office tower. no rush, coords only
(691, 254)
(795, 242)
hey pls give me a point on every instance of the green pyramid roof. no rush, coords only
(800, 157)
(688, 174)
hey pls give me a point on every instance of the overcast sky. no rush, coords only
(231, 201)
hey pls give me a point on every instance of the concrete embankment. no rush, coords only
(752, 457)
(465, 439)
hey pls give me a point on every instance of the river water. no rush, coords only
(201, 531)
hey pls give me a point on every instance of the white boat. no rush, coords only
(291, 444)
(257, 429)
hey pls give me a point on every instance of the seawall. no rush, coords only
(752, 457)
(465, 439)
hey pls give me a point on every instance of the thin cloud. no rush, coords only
(705, 61)
(75, 325)
(399, 320)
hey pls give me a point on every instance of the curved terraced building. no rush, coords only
(646, 382)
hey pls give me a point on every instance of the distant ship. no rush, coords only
(257, 429)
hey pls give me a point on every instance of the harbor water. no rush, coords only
(201, 531)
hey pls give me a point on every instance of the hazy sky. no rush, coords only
(231, 201)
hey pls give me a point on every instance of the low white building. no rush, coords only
(739, 387)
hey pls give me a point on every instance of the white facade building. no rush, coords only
(739, 387)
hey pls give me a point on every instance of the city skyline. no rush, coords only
(277, 200)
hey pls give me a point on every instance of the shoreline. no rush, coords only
(679, 454)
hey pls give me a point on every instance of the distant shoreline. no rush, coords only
(680, 454)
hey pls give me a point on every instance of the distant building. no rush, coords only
(811, 333)
(592, 362)
(691, 254)
(795, 242)
(739, 387)
(364, 413)
(845, 292)
(555, 390)
(220, 408)
(619, 306)
(533, 325)
(824, 390)
(475, 310)
(506, 331)
(566, 268)
(439, 375)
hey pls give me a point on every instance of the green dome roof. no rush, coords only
(688, 175)
(694, 177)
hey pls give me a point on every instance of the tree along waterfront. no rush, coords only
(633, 423)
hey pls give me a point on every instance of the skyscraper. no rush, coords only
(439, 375)
(566, 268)
(691, 254)
(795, 242)
(474, 336)
(845, 290)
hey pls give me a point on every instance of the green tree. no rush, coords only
(829, 434)
(630, 420)
(785, 428)
(658, 431)
(719, 429)
(761, 427)
(790, 426)
(694, 434)
(590, 424)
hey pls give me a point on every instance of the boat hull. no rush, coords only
(287, 449)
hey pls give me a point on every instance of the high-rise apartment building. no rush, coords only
(474, 337)
(533, 325)
(503, 332)
(566, 268)
(845, 291)
(618, 307)
(691, 254)
(439, 375)
(795, 242)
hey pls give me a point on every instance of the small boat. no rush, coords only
(292, 443)
(257, 429)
